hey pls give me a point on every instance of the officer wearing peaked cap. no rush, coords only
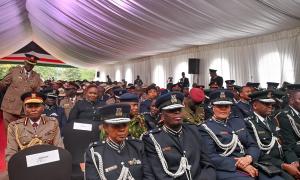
(231, 148)
(19, 80)
(52, 109)
(176, 151)
(264, 131)
(116, 157)
(215, 78)
(253, 85)
(289, 122)
(272, 85)
(34, 129)
(229, 84)
(137, 125)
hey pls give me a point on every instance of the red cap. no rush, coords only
(197, 95)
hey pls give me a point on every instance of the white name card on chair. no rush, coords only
(42, 158)
(82, 126)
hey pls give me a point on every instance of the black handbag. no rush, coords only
(267, 168)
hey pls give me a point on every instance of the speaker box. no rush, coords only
(98, 74)
(194, 66)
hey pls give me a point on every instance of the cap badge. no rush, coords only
(173, 99)
(222, 95)
(119, 112)
(269, 95)
(33, 95)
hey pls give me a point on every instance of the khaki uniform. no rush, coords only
(18, 83)
(21, 134)
(67, 103)
(190, 116)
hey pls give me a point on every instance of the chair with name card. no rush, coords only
(41, 162)
(77, 137)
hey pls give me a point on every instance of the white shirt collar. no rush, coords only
(38, 121)
(260, 117)
(25, 71)
(295, 111)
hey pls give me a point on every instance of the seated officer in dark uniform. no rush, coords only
(289, 121)
(116, 157)
(86, 108)
(151, 92)
(244, 103)
(263, 129)
(230, 84)
(137, 125)
(231, 148)
(152, 118)
(52, 109)
(253, 86)
(176, 150)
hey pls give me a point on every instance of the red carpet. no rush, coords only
(2, 144)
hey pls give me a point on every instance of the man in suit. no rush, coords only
(176, 147)
(215, 78)
(184, 81)
(19, 80)
(263, 129)
(34, 129)
(138, 81)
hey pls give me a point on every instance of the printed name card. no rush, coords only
(82, 126)
(42, 158)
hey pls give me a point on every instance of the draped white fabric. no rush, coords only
(91, 32)
(274, 57)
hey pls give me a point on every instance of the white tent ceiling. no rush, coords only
(91, 32)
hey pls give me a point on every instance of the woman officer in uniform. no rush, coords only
(230, 146)
(117, 157)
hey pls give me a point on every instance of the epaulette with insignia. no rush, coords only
(52, 118)
(130, 138)
(248, 118)
(153, 131)
(96, 143)
(144, 113)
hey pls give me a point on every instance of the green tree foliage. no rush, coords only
(57, 73)
(4, 68)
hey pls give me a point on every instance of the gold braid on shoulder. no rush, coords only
(33, 142)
